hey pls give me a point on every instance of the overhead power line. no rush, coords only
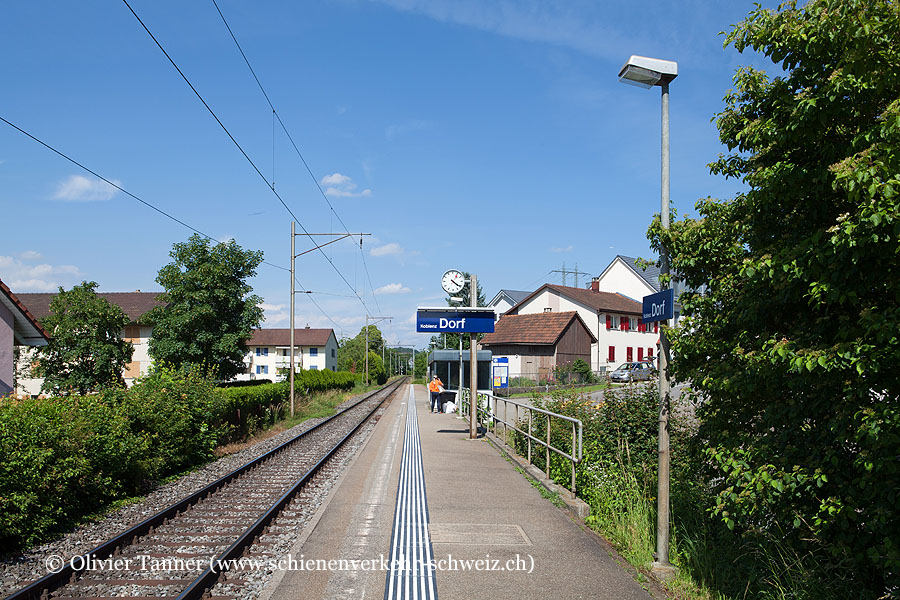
(240, 148)
(121, 189)
(296, 148)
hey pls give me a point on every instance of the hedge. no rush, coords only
(63, 458)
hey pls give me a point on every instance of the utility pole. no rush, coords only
(340, 236)
(473, 363)
(566, 272)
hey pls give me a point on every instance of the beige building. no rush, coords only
(135, 304)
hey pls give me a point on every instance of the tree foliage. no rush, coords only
(351, 356)
(85, 351)
(210, 312)
(795, 347)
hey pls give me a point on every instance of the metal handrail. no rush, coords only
(492, 419)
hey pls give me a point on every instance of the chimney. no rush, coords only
(595, 284)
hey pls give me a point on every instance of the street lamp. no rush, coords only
(648, 72)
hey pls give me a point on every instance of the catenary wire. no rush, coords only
(241, 149)
(296, 148)
(121, 189)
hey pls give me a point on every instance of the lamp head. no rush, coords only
(646, 72)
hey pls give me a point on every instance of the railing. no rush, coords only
(487, 415)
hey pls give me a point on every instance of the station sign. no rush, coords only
(456, 320)
(659, 306)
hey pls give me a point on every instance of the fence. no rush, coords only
(488, 416)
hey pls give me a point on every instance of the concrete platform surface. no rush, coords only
(493, 535)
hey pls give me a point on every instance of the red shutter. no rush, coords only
(656, 327)
(629, 356)
(640, 354)
(649, 352)
(641, 325)
(608, 322)
(627, 322)
(612, 353)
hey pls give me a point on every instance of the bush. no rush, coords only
(62, 457)
(178, 413)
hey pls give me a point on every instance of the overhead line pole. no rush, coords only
(294, 256)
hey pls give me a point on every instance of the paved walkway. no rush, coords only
(475, 507)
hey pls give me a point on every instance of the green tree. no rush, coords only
(350, 351)
(210, 311)
(85, 351)
(794, 347)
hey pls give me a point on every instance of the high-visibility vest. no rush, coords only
(435, 385)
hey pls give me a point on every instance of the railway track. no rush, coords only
(221, 537)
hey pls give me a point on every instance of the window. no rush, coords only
(548, 309)
(313, 367)
(649, 352)
(262, 369)
(612, 354)
(285, 352)
(313, 351)
(262, 351)
(332, 354)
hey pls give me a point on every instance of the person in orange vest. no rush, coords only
(435, 387)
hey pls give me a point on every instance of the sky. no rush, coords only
(489, 136)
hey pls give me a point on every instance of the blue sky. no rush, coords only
(486, 135)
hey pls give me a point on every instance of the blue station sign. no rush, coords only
(659, 306)
(433, 320)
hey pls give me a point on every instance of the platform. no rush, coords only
(460, 502)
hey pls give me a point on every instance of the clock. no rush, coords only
(453, 281)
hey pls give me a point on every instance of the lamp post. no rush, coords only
(648, 72)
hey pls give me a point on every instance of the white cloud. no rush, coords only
(77, 188)
(275, 313)
(342, 186)
(566, 249)
(24, 277)
(387, 249)
(580, 25)
(392, 288)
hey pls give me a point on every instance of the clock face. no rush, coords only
(453, 281)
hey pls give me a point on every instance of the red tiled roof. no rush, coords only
(282, 337)
(535, 329)
(599, 301)
(17, 303)
(135, 304)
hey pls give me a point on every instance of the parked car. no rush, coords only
(633, 371)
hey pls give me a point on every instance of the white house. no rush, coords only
(505, 300)
(613, 318)
(624, 276)
(270, 350)
(135, 305)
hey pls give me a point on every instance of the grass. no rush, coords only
(315, 406)
(586, 389)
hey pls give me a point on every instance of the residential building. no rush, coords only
(535, 344)
(269, 352)
(614, 319)
(18, 327)
(624, 276)
(505, 300)
(135, 305)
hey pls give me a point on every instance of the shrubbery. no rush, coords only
(63, 458)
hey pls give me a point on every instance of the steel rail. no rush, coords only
(53, 581)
